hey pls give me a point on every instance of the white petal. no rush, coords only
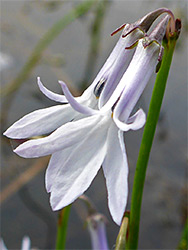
(135, 122)
(115, 169)
(50, 94)
(55, 164)
(63, 137)
(78, 168)
(78, 106)
(41, 122)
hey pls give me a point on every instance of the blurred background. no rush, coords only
(74, 53)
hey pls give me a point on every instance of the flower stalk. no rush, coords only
(148, 135)
(183, 244)
(62, 227)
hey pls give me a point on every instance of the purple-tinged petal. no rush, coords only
(115, 169)
(134, 80)
(120, 64)
(63, 137)
(50, 94)
(116, 63)
(135, 122)
(40, 122)
(78, 169)
(79, 107)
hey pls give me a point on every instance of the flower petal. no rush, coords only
(77, 170)
(41, 122)
(115, 169)
(79, 107)
(122, 57)
(55, 164)
(50, 94)
(118, 56)
(63, 137)
(134, 80)
(135, 122)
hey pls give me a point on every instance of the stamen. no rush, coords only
(145, 22)
(99, 87)
(172, 21)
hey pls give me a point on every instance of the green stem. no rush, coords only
(148, 135)
(62, 228)
(183, 244)
(50, 35)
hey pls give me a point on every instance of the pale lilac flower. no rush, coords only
(46, 120)
(25, 244)
(97, 229)
(92, 139)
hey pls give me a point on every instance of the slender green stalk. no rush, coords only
(50, 35)
(183, 244)
(148, 135)
(62, 228)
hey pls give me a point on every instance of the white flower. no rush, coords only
(93, 138)
(46, 120)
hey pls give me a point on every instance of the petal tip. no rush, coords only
(54, 205)
(6, 133)
(10, 133)
(63, 85)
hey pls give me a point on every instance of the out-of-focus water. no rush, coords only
(27, 212)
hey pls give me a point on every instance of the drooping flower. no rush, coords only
(97, 230)
(44, 121)
(95, 137)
